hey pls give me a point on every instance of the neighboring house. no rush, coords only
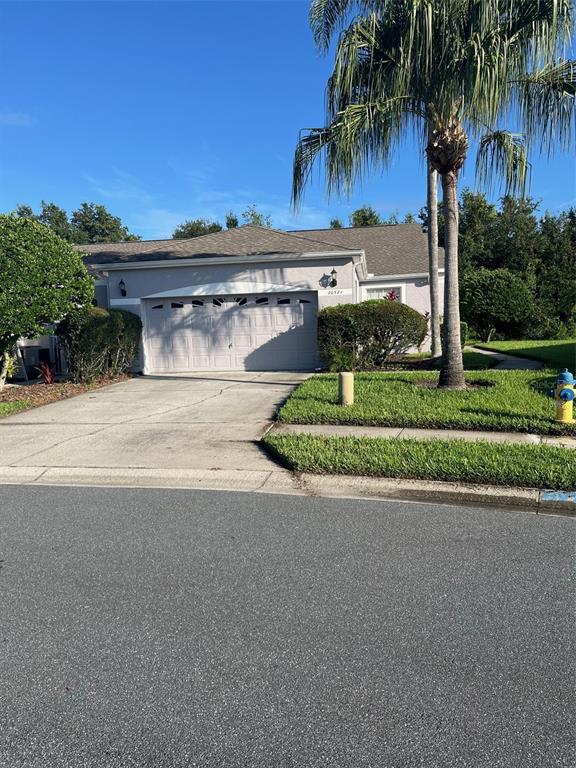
(248, 298)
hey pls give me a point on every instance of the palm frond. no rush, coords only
(502, 155)
(547, 98)
(361, 136)
(326, 16)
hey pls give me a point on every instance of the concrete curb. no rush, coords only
(281, 481)
(525, 499)
(472, 436)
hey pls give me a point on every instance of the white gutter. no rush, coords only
(406, 276)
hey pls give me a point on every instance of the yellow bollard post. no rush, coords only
(346, 388)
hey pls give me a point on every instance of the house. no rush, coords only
(248, 298)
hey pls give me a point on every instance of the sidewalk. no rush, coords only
(508, 362)
(333, 430)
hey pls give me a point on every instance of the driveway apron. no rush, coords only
(173, 430)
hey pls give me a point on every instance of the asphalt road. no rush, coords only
(187, 628)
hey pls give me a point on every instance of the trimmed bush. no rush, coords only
(99, 342)
(363, 336)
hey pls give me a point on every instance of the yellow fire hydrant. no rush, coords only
(564, 393)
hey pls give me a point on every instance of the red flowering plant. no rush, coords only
(45, 373)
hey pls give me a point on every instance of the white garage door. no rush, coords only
(263, 332)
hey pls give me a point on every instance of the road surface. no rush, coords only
(169, 628)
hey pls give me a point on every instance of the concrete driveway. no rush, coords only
(194, 430)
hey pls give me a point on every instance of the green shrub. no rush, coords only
(99, 342)
(496, 301)
(544, 325)
(357, 336)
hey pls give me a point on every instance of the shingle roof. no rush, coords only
(391, 249)
(249, 240)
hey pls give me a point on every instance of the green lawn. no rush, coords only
(533, 466)
(505, 401)
(556, 354)
(18, 405)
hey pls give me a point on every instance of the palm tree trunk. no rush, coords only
(432, 204)
(452, 371)
(4, 360)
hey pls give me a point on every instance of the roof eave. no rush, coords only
(185, 261)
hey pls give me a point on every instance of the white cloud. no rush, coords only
(15, 119)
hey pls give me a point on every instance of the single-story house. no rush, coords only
(248, 298)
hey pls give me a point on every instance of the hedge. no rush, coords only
(363, 336)
(99, 342)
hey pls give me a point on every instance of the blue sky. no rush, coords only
(167, 111)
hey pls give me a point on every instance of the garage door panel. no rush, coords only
(232, 333)
(198, 342)
(200, 363)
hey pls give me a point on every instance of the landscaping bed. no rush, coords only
(501, 401)
(506, 464)
(22, 397)
(554, 353)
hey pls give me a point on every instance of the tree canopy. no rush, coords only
(42, 278)
(253, 216)
(90, 223)
(195, 228)
(365, 216)
(539, 251)
(93, 223)
(231, 220)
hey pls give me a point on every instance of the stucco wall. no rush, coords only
(302, 275)
(414, 291)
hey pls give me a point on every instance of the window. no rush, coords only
(241, 300)
(177, 305)
(262, 300)
(217, 302)
(392, 292)
(197, 303)
(158, 306)
(283, 301)
(304, 301)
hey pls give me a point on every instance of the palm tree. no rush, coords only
(444, 70)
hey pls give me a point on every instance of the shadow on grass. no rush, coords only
(542, 385)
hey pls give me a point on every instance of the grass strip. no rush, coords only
(499, 401)
(484, 463)
(554, 353)
(13, 407)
